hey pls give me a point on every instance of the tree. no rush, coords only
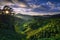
(6, 19)
(7, 10)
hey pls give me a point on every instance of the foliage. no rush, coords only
(35, 28)
(40, 28)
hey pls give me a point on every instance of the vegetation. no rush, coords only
(39, 28)
(31, 28)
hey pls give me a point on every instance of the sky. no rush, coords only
(33, 7)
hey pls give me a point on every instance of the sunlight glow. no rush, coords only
(6, 12)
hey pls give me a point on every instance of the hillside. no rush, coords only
(40, 27)
(28, 27)
(7, 28)
(25, 27)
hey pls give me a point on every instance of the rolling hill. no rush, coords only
(37, 27)
(26, 27)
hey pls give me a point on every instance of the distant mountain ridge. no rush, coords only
(45, 16)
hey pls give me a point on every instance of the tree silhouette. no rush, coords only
(6, 18)
(7, 21)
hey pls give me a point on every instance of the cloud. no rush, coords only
(21, 10)
(46, 7)
(21, 3)
(29, 7)
(32, 13)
